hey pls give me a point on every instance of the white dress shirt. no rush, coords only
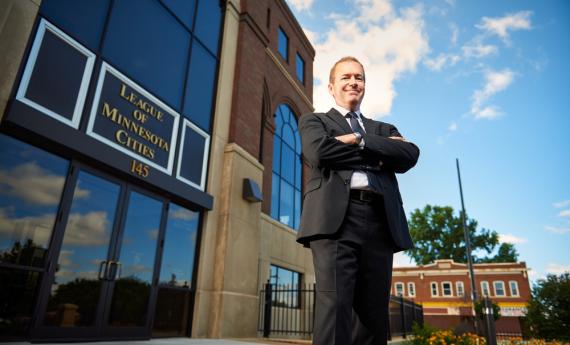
(359, 179)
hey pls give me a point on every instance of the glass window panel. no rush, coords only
(156, 55)
(288, 164)
(283, 44)
(183, 9)
(275, 181)
(300, 67)
(76, 287)
(286, 205)
(18, 293)
(399, 289)
(288, 135)
(31, 183)
(514, 288)
(59, 64)
(193, 159)
(82, 20)
(179, 247)
(499, 288)
(172, 312)
(285, 287)
(298, 145)
(138, 250)
(434, 289)
(446, 289)
(297, 209)
(198, 100)
(208, 23)
(485, 288)
(276, 154)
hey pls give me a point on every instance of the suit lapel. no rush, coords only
(339, 120)
(369, 125)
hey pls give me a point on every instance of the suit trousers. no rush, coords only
(353, 271)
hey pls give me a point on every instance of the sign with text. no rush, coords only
(130, 119)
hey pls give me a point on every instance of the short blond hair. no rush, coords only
(341, 60)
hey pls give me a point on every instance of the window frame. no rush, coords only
(396, 285)
(432, 286)
(517, 294)
(275, 286)
(411, 289)
(281, 34)
(457, 289)
(502, 283)
(297, 58)
(443, 289)
(485, 286)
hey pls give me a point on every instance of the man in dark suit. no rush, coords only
(352, 217)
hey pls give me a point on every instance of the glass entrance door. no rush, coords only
(102, 283)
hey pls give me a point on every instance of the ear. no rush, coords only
(331, 92)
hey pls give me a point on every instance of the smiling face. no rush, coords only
(347, 85)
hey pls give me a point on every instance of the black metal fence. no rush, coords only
(289, 311)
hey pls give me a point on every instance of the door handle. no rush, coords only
(119, 270)
(101, 265)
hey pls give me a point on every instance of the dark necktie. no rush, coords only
(373, 179)
(354, 124)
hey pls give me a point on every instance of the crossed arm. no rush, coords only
(342, 152)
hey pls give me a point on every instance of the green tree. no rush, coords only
(438, 234)
(549, 308)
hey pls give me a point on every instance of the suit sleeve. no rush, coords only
(323, 150)
(397, 155)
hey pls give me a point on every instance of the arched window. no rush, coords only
(286, 176)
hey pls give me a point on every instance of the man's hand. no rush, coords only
(349, 139)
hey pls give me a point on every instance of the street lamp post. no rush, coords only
(474, 296)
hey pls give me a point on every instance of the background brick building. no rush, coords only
(444, 289)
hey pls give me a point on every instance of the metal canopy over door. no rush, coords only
(102, 282)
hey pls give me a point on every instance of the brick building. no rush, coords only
(150, 167)
(444, 289)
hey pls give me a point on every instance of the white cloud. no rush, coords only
(495, 82)
(564, 213)
(184, 214)
(402, 260)
(35, 185)
(478, 50)
(555, 268)
(510, 238)
(388, 43)
(89, 229)
(301, 5)
(557, 230)
(452, 127)
(454, 33)
(561, 204)
(441, 60)
(36, 228)
(501, 26)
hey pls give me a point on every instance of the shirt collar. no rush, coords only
(343, 111)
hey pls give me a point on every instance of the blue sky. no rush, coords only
(482, 81)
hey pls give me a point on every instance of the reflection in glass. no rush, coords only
(76, 287)
(286, 177)
(136, 262)
(174, 294)
(31, 183)
(179, 247)
(18, 290)
(172, 312)
(285, 285)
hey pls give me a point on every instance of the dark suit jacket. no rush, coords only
(326, 194)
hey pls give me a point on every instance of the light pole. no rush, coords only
(474, 296)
